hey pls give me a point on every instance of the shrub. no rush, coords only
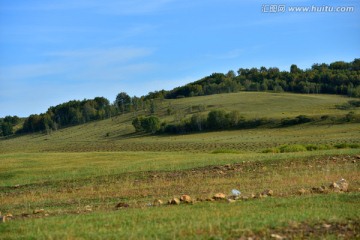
(271, 150)
(292, 148)
(311, 147)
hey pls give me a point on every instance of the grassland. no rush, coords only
(78, 175)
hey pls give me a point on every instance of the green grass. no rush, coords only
(117, 134)
(104, 162)
(200, 221)
(28, 168)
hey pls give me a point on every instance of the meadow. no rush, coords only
(77, 175)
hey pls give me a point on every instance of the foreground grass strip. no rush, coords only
(28, 168)
(199, 221)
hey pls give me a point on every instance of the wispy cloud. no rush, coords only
(73, 64)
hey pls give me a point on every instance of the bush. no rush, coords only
(355, 103)
(148, 124)
(292, 148)
(271, 150)
(313, 147)
(347, 145)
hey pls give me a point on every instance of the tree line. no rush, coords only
(219, 119)
(7, 125)
(334, 78)
(69, 113)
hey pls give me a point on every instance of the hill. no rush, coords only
(102, 179)
(117, 133)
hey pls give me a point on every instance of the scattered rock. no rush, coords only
(259, 195)
(321, 189)
(17, 186)
(277, 236)
(158, 202)
(357, 156)
(354, 161)
(252, 195)
(185, 199)
(335, 187)
(327, 226)
(122, 205)
(268, 192)
(343, 184)
(302, 191)
(88, 208)
(219, 196)
(38, 211)
(235, 193)
(231, 200)
(174, 201)
(9, 215)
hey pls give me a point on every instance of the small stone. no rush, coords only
(252, 195)
(321, 189)
(343, 184)
(326, 225)
(268, 192)
(301, 191)
(335, 187)
(88, 208)
(185, 199)
(277, 236)
(38, 211)
(46, 214)
(17, 186)
(158, 202)
(354, 161)
(122, 205)
(231, 200)
(174, 201)
(219, 196)
(259, 195)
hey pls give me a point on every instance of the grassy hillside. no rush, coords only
(117, 133)
(77, 175)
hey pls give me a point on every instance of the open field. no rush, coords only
(79, 174)
(66, 184)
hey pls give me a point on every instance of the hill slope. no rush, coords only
(117, 133)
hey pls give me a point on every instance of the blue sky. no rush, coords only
(55, 51)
